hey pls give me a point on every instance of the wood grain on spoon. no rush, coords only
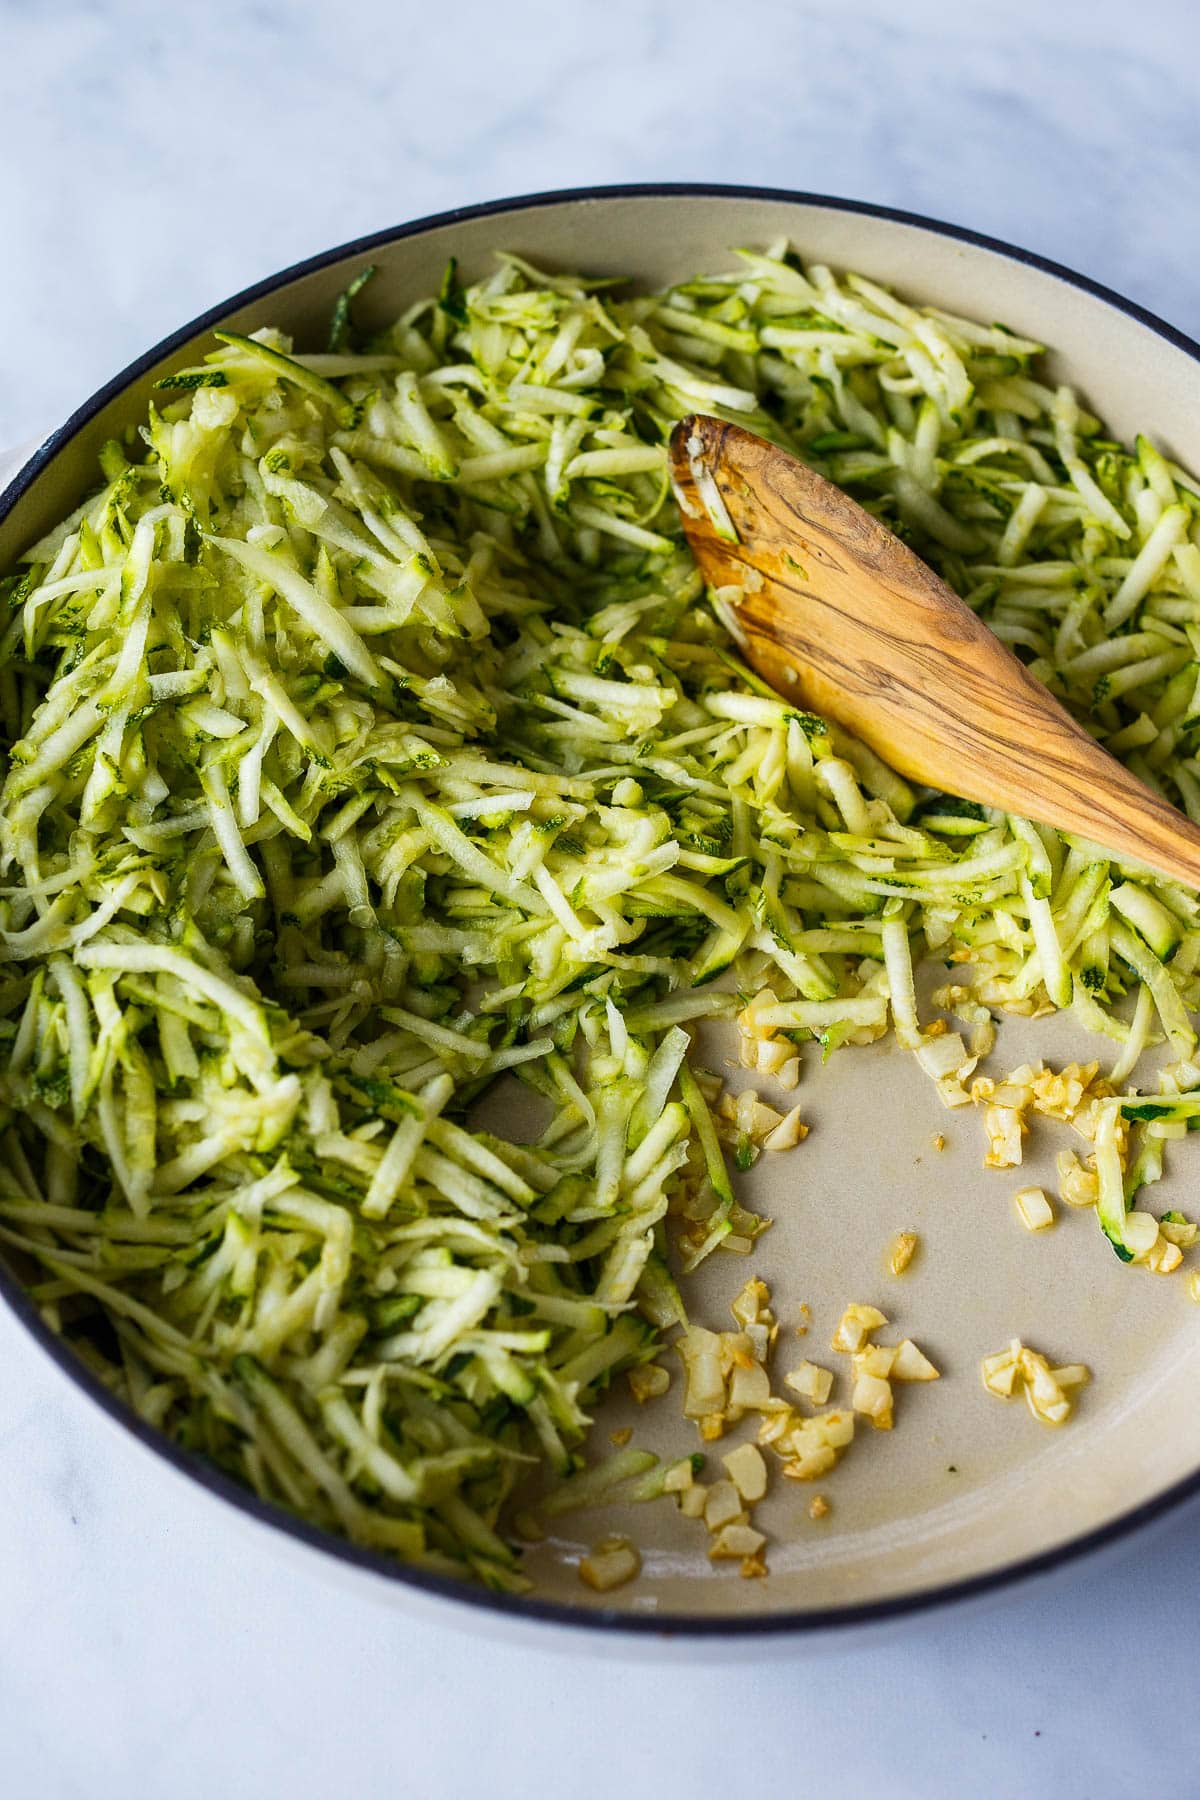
(837, 614)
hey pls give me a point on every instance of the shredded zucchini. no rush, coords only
(369, 739)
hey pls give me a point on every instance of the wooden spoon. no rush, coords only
(835, 612)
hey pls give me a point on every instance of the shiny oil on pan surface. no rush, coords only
(966, 1493)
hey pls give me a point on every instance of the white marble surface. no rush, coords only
(154, 158)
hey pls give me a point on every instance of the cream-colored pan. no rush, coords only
(967, 1492)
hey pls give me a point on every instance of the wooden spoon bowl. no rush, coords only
(836, 613)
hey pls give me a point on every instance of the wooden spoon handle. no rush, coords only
(837, 613)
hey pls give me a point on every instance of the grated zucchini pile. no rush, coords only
(369, 739)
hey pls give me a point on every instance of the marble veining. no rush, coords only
(155, 158)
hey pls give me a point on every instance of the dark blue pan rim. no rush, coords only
(800, 1623)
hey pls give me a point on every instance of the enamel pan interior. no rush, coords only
(967, 1492)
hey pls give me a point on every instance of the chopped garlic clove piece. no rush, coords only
(810, 1381)
(788, 1133)
(855, 1326)
(648, 1381)
(874, 1359)
(1005, 1130)
(1033, 1209)
(748, 1473)
(872, 1396)
(610, 1565)
(1047, 1395)
(904, 1248)
(912, 1364)
(693, 1500)
(1140, 1233)
(736, 1541)
(749, 1389)
(723, 1504)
